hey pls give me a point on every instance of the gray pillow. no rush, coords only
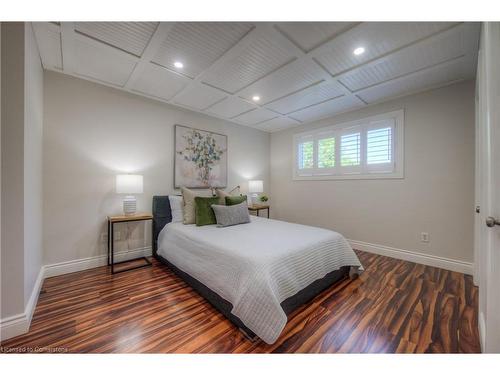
(231, 215)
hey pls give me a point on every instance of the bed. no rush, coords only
(255, 274)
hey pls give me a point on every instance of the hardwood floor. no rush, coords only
(394, 307)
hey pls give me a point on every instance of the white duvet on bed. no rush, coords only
(258, 265)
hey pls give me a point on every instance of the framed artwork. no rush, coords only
(200, 158)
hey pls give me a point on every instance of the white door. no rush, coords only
(488, 188)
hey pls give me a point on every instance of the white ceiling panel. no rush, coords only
(436, 76)
(103, 64)
(197, 45)
(159, 82)
(309, 35)
(291, 78)
(277, 124)
(255, 116)
(326, 109)
(132, 37)
(199, 96)
(261, 57)
(302, 71)
(230, 107)
(450, 45)
(48, 37)
(378, 39)
(312, 95)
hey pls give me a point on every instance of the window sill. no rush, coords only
(374, 176)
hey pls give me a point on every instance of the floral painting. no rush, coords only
(200, 158)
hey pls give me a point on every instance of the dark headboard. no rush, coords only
(162, 214)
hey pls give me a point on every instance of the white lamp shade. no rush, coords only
(129, 184)
(255, 186)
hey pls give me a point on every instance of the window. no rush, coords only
(368, 148)
(378, 146)
(350, 153)
(306, 154)
(326, 152)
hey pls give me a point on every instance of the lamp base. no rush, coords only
(129, 205)
(255, 198)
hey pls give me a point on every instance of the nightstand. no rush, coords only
(112, 220)
(257, 207)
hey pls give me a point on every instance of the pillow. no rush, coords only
(231, 215)
(176, 203)
(237, 199)
(189, 210)
(204, 212)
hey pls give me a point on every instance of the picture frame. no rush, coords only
(200, 158)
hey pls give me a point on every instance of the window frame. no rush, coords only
(363, 171)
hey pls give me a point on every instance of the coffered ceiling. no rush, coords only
(300, 72)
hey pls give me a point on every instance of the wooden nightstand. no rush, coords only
(257, 207)
(112, 220)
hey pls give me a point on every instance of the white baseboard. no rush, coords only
(14, 325)
(76, 265)
(18, 324)
(412, 256)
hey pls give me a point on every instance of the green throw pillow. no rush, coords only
(236, 199)
(203, 210)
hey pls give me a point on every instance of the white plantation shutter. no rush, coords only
(350, 149)
(380, 146)
(368, 148)
(305, 155)
(326, 152)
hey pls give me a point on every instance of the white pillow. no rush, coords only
(176, 208)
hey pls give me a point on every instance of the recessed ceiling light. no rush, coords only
(178, 64)
(256, 98)
(359, 51)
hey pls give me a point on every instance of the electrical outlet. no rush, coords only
(104, 237)
(424, 237)
(117, 236)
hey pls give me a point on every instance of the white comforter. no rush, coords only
(258, 265)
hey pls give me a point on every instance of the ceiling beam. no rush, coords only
(149, 52)
(260, 30)
(308, 56)
(68, 48)
(415, 73)
(419, 42)
(69, 38)
(336, 79)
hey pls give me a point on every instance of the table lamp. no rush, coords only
(129, 184)
(255, 187)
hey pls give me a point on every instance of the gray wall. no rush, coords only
(12, 168)
(22, 121)
(436, 195)
(33, 133)
(92, 133)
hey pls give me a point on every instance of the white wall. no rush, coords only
(22, 122)
(92, 133)
(12, 169)
(33, 132)
(436, 195)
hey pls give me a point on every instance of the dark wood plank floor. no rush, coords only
(394, 307)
